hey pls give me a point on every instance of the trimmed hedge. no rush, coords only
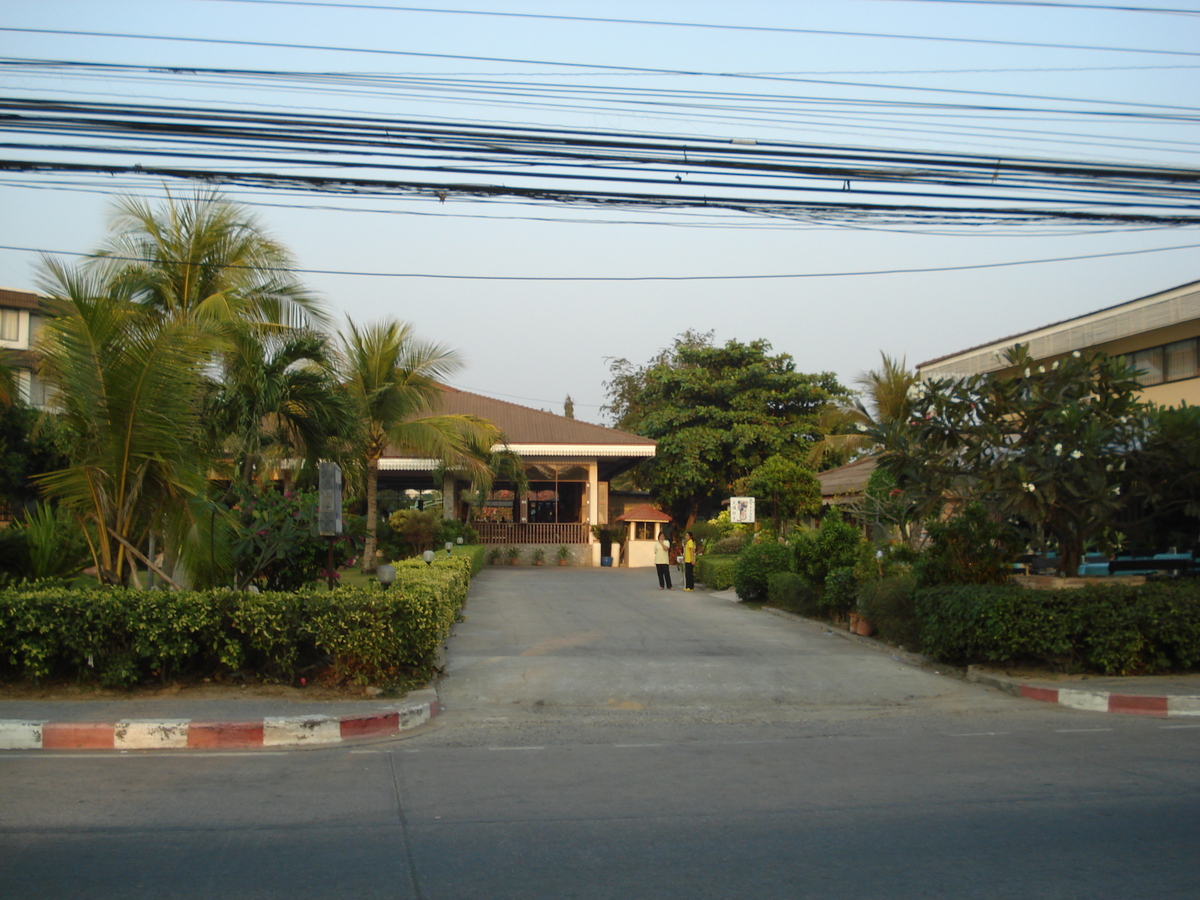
(1113, 629)
(755, 564)
(715, 571)
(790, 592)
(127, 636)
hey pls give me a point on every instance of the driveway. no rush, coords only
(609, 639)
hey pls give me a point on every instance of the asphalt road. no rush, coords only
(914, 787)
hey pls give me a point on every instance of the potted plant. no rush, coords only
(513, 555)
(564, 554)
(539, 556)
(494, 556)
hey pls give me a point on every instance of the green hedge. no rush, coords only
(716, 572)
(1113, 629)
(126, 636)
(788, 591)
(755, 564)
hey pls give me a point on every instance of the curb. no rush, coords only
(1163, 706)
(186, 734)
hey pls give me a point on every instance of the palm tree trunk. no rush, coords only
(368, 557)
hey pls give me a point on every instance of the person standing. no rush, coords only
(689, 562)
(662, 562)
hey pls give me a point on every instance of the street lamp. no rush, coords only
(427, 556)
(386, 575)
(449, 547)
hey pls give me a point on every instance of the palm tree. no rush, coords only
(886, 391)
(393, 379)
(127, 391)
(207, 258)
(277, 399)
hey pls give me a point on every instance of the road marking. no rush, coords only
(1177, 727)
(629, 746)
(1081, 730)
(516, 748)
(981, 734)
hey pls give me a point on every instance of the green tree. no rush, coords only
(205, 258)
(788, 489)
(1046, 445)
(884, 398)
(393, 380)
(128, 390)
(717, 413)
(277, 398)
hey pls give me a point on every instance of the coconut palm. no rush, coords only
(277, 400)
(886, 392)
(207, 258)
(127, 393)
(393, 379)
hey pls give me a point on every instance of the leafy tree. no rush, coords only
(787, 488)
(717, 414)
(31, 443)
(970, 547)
(393, 380)
(819, 551)
(1046, 445)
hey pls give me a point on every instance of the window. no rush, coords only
(10, 325)
(1173, 362)
(643, 531)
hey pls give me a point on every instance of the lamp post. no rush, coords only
(386, 575)
(449, 547)
(427, 556)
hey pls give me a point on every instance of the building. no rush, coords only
(1158, 334)
(21, 317)
(569, 465)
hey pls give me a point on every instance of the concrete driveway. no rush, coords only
(584, 638)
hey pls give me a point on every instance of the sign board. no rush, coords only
(329, 504)
(741, 510)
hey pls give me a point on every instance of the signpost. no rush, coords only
(329, 510)
(741, 510)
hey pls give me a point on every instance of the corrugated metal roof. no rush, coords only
(851, 478)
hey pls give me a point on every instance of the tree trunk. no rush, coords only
(368, 557)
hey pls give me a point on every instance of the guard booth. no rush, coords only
(643, 526)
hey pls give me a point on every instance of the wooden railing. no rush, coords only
(533, 533)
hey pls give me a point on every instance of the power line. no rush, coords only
(631, 278)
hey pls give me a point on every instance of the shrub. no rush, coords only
(888, 605)
(1113, 629)
(839, 590)
(715, 571)
(417, 528)
(754, 564)
(126, 636)
(832, 546)
(970, 548)
(452, 530)
(729, 545)
(788, 591)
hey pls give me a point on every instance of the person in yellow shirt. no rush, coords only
(689, 561)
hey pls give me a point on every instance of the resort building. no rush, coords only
(1158, 334)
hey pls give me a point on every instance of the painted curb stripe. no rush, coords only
(224, 735)
(380, 725)
(20, 735)
(284, 731)
(145, 734)
(1183, 706)
(78, 736)
(1137, 705)
(1048, 695)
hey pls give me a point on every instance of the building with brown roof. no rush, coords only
(1158, 334)
(569, 465)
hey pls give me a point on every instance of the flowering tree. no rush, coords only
(1045, 446)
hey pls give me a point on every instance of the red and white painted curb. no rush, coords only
(189, 734)
(1163, 706)
(1108, 702)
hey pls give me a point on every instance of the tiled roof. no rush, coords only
(19, 300)
(644, 513)
(522, 425)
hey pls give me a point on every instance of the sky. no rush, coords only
(539, 297)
